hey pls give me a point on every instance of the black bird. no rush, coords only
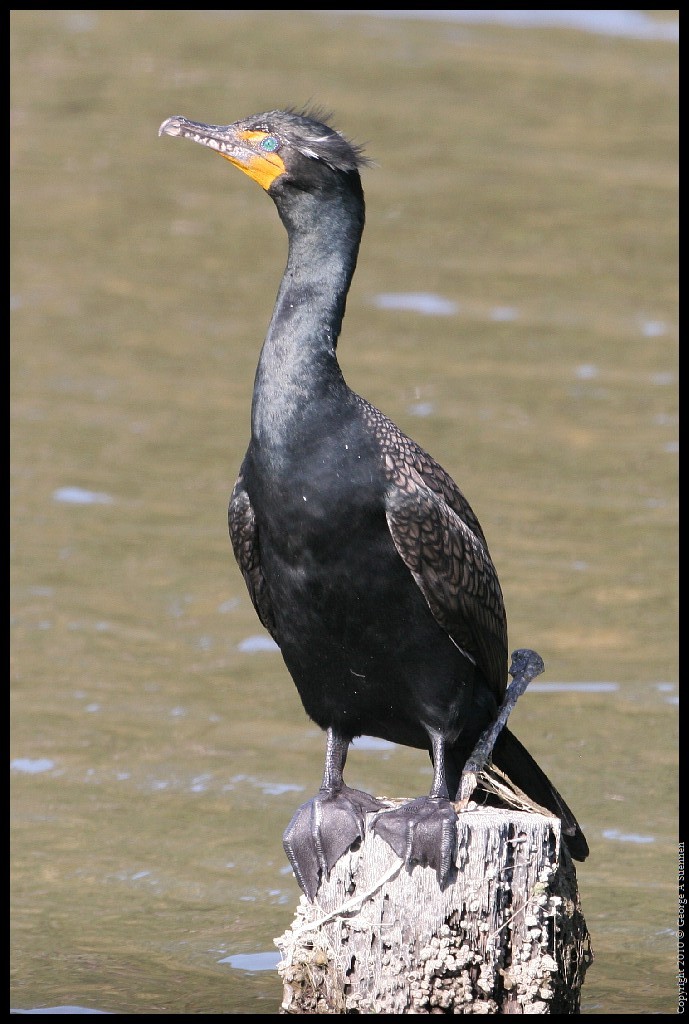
(363, 559)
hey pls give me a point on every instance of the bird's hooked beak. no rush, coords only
(254, 152)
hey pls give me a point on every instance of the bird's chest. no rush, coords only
(325, 547)
(311, 488)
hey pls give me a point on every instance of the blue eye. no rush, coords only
(270, 144)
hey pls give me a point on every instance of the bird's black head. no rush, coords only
(277, 147)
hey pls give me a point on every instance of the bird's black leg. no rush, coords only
(424, 831)
(325, 827)
(525, 666)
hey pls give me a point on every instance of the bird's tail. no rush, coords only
(517, 763)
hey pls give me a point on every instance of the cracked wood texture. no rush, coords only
(507, 935)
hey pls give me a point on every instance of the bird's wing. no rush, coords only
(440, 482)
(451, 565)
(402, 453)
(244, 536)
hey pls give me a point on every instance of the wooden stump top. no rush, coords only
(507, 935)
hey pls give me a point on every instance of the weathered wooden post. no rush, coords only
(507, 935)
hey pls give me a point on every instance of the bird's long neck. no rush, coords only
(298, 365)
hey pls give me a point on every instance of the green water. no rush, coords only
(527, 176)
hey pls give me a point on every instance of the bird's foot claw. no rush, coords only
(423, 831)
(467, 784)
(526, 662)
(322, 830)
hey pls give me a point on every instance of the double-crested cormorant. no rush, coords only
(363, 559)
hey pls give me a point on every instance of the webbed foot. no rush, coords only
(423, 831)
(322, 830)
(525, 666)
